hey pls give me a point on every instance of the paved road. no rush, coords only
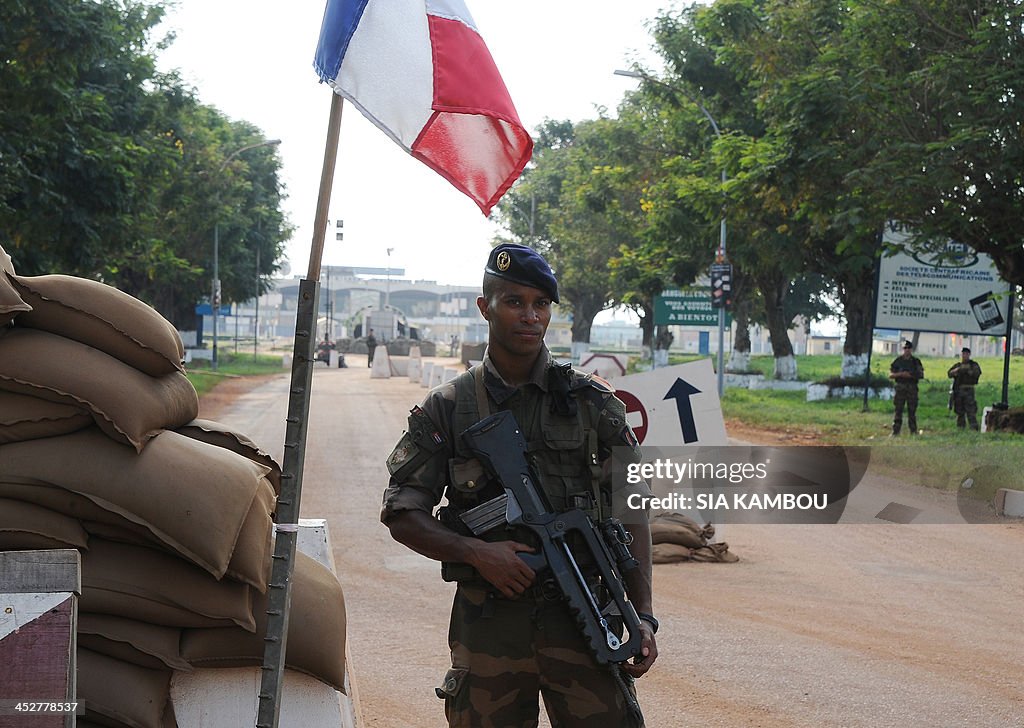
(852, 626)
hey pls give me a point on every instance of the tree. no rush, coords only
(705, 84)
(112, 171)
(586, 206)
(74, 119)
(945, 79)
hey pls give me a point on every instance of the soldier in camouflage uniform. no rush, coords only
(905, 371)
(511, 637)
(965, 376)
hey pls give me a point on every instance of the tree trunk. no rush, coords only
(739, 357)
(856, 291)
(646, 313)
(584, 309)
(773, 287)
(742, 296)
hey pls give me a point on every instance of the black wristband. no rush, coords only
(649, 618)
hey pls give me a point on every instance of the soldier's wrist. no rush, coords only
(649, 619)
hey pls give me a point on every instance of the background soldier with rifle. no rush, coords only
(965, 376)
(520, 629)
(905, 371)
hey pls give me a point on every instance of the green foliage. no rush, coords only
(111, 171)
(941, 456)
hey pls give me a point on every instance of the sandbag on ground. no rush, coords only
(316, 630)
(193, 497)
(680, 529)
(103, 317)
(127, 404)
(673, 553)
(23, 417)
(677, 537)
(155, 587)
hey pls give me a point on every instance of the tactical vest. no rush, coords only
(561, 446)
(968, 375)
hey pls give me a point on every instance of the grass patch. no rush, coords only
(943, 454)
(229, 364)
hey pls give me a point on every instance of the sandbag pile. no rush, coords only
(677, 537)
(101, 451)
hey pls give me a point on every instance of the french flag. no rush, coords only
(420, 71)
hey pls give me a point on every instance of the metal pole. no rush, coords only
(256, 326)
(279, 593)
(215, 299)
(721, 311)
(1006, 353)
(871, 337)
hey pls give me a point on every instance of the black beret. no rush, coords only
(522, 265)
(965, 350)
(907, 345)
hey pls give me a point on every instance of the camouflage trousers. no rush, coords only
(507, 652)
(966, 407)
(905, 396)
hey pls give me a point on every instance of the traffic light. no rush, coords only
(721, 285)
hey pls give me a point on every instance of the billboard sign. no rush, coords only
(952, 289)
(690, 307)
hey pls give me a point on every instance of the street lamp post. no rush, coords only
(215, 298)
(387, 289)
(256, 318)
(721, 242)
(531, 218)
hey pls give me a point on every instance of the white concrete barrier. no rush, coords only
(381, 368)
(984, 418)
(428, 373)
(399, 366)
(449, 374)
(1010, 502)
(436, 376)
(415, 369)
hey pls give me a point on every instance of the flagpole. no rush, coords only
(279, 592)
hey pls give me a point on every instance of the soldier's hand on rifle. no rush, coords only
(648, 653)
(500, 565)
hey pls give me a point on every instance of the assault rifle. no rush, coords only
(952, 385)
(498, 443)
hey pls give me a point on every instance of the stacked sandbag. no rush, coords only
(677, 537)
(101, 451)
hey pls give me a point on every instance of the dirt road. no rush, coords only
(817, 626)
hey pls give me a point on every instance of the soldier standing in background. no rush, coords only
(965, 376)
(905, 371)
(371, 344)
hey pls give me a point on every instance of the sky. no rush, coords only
(253, 61)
